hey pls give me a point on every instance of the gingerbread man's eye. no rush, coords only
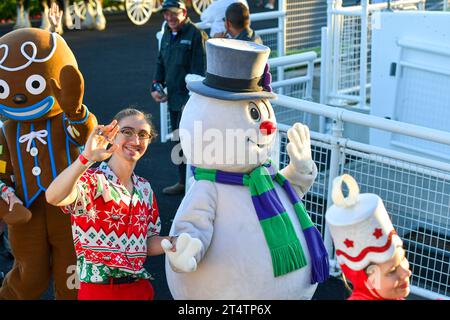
(35, 84)
(4, 89)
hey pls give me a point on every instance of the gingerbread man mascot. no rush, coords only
(41, 93)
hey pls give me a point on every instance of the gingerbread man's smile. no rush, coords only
(28, 113)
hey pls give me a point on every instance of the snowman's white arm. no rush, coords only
(300, 181)
(196, 214)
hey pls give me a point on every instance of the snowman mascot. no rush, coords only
(243, 231)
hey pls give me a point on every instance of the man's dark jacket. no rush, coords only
(178, 57)
(249, 35)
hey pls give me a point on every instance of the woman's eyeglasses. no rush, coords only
(130, 133)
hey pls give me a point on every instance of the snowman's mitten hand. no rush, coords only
(299, 148)
(183, 259)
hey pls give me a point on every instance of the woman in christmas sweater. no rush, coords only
(368, 249)
(115, 221)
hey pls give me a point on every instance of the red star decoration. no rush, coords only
(348, 243)
(378, 233)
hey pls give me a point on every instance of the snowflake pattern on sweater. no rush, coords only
(110, 227)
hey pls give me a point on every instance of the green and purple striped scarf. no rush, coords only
(285, 248)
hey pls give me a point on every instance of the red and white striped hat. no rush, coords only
(361, 229)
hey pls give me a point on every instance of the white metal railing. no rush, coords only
(415, 190)
(297, 83)
(346, 51)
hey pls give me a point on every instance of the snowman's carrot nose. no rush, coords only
(267, 128)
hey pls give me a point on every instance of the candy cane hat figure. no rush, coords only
(363, 236)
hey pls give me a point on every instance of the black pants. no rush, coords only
(175, 117)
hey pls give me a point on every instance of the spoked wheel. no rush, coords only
(139, 11)
(78, 9)
(157, 5)
(201, 5)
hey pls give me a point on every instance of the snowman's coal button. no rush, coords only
(34, 152)
(36, 171)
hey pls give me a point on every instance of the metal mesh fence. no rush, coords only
(298, 90)
(270, 40)
(349, 55)
(290, 116)
(315, 199)
(304, 20)
(346, 65)
(418, 200)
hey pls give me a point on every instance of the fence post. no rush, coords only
(363, 53)
(309, 84)
(163, 121)
(281, 40)
(334, 171)
(324, 64)
(421, 5)
(335, 38)
(163, 114)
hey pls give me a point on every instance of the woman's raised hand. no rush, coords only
(96, 148)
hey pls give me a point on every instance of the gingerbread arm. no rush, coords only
(79, 130)
(12, 210)
(69, 94)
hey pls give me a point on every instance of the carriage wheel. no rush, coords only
(157, 5)
(201, 5)
(139, 11)
(78, 9)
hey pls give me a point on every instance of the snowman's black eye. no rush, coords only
(254, 111)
